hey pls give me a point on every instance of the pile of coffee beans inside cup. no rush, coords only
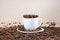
(30, 16)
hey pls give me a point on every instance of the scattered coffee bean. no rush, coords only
(14, 22)
(9, 23)
(47, 22)
(53, 23)
(2, 22)
(19, 23)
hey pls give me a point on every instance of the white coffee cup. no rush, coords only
(32, 23)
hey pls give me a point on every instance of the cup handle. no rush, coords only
(39, 22)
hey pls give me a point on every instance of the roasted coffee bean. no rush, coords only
(14, 22)
(9, 23)
(17, 35)
(53, 23)
(2, 22)
(47, 22)
(19, 23)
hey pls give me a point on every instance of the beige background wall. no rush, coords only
(12, 10)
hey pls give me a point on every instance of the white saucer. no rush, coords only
(30, 32)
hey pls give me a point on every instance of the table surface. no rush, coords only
(50, 33)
